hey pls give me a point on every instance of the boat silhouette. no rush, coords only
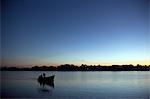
(46, 80)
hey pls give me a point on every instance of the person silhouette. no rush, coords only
(44, 75)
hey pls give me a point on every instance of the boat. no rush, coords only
(46, 80)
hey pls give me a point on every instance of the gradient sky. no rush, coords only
(53, 32)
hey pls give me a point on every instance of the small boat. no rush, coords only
(46, 79)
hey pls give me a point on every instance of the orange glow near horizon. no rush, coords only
(141, 62)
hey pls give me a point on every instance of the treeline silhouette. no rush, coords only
(83, 67)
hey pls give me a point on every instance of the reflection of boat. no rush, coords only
(46, 80)
(45, 90)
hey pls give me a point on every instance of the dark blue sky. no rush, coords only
(52, 32)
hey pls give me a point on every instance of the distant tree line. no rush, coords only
(83, 67)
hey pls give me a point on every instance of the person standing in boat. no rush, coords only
(44, 75)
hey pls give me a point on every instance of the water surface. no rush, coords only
(76, 85)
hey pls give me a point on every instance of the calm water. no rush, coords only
(76, 85)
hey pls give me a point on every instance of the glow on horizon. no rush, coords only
(105, 63)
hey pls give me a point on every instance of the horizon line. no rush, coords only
(75, 65)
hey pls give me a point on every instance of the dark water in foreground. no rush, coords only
(76, 85)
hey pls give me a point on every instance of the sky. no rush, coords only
(54, 32)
